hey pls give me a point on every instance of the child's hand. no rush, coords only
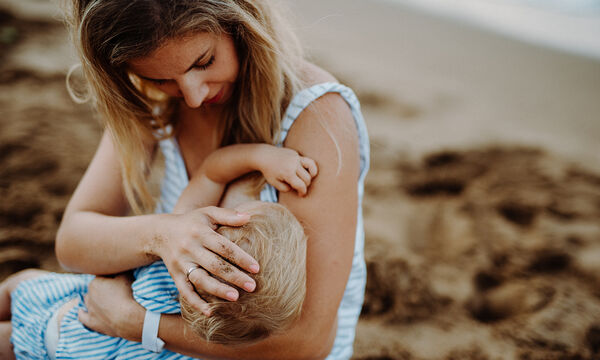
(285, 169)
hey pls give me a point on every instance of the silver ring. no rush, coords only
(190, 270)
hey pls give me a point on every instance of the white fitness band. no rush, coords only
(150, 339)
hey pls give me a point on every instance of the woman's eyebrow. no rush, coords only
(188, 69)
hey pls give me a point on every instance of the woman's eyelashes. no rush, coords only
(205, 65)
(159, 82)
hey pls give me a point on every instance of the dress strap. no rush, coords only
(175, 177)
(300, 102)
(305, 97)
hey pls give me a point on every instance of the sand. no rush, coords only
(482, 206)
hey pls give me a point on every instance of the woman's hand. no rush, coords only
(285, 169)
(111, 309)
(192, 250)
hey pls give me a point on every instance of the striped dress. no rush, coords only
(35, 301)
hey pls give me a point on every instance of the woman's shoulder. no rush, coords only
(312, 74)
(329, 112)
(329, 102)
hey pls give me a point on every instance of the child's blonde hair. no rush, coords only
(275, 238)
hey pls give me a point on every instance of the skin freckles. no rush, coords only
(225, 267)
(201, 68)
(227, 252)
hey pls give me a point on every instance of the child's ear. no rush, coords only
(245, 244)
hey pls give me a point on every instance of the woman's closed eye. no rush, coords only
(205, 65)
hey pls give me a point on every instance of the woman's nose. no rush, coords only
(194, 92)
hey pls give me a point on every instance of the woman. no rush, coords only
(203, 74)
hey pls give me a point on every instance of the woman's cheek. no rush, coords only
(171, 90)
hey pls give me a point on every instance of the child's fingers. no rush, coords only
(310, 165)
(281, 186)
(298, 185)
(303, 174)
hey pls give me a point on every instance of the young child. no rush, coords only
(44, 305)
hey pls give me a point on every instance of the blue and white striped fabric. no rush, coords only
(36, 300)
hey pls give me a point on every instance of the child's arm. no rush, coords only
(282, 168)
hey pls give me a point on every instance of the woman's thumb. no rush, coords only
(230, 217)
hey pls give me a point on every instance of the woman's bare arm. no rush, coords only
(99, 203)
(96, 237)
(328, 214)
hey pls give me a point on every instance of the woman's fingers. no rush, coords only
(222, 216)
(202, 280)
(200, 246)
(189, 294)
(218, 266)
(223, 246)
(218, 244)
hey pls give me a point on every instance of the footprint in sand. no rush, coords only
(509, 300)
(445, 173)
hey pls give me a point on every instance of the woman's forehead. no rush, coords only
(174, 57)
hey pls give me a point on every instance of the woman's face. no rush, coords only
(201, 68)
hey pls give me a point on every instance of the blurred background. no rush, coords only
(482, 206)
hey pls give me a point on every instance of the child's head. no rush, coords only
(276, 240)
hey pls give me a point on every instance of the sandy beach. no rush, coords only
(482, 207)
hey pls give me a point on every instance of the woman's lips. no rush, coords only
(215, 98)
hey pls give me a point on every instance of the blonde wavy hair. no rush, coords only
(109, 33)
(277, 241)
